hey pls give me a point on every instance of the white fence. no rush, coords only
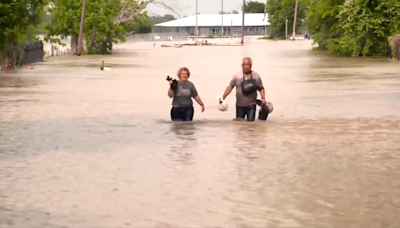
(60, 50)
(56, 50)
(157, 37)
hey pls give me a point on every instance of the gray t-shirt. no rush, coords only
(241, 99)
(184, 94)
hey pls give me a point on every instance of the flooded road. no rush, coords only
(82, 147)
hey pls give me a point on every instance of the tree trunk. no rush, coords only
(74, 44)
(84, 46)
(395, 47)
(10, 58)
(92, 37)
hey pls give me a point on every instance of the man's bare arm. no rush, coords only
(228, 90)
(261, 87)
(230, 87)
(262, 93)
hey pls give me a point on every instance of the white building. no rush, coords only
(210, 24)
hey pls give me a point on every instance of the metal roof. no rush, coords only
(211, 20)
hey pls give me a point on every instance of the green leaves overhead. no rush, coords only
(281, 10)
(18, 20)
(354, 27)
(106, 22)
(65, 18)
(254, 7)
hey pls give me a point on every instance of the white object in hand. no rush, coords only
(222, 104)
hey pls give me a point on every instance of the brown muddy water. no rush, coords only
(82, 147)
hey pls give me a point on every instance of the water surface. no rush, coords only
(82, 147)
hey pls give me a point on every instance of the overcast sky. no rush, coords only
(188, 7)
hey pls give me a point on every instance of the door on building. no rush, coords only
(215, 31)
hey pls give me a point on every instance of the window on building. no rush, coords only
(236, 30)
(215, 31)
(227, 31)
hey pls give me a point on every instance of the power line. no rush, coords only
(235, 8)
(153, 14)
(165, 6)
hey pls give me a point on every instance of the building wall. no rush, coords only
(216, 31)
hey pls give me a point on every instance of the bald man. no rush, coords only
(247, 83)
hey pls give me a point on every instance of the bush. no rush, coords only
(264, 38)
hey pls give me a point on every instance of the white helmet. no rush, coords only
(222, 104)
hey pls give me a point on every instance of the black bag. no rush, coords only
(264, 110)
(249, 86)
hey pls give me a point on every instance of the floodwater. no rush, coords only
(82, 147)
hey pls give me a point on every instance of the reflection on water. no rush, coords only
(82, 147)
(180, 147)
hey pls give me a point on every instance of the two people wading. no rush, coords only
(248, 84)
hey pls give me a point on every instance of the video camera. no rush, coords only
(174, 84)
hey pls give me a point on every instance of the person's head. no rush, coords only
(246, 65)
(183, 74)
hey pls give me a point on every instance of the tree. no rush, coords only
(281, 10)
(141, 25)
(354, 28)
(161, 19)
(106, 22)
(64, 22)
(366, 27)
(46, 19)
(254, 7)
(18, 22)
(322, 20)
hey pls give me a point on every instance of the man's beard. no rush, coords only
(247, 71)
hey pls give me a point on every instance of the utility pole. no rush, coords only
(222, 18)
(197, 20)
(231, 29)
(286, 28)
(81, 29)
(265, 15)
(243, 12)
(295, 19)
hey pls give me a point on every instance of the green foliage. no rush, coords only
(353, 28)
(100, 30)
(209, 36)
(106, 22)
(142, 24)
(281, 10)
(64, 21)
(18, 22)
(46, 19)
(165, 18)
(254, 7)
(322, 20)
